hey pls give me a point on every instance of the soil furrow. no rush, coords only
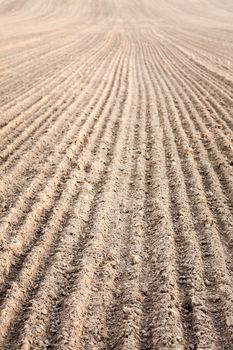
(116, 183)
(73, 182)
(212, 250)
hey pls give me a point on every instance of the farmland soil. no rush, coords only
(116, 175)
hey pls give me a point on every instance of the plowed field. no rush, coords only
(116, 174)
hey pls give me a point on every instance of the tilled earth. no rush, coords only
(116, 182)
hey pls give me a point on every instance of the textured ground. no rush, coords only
(116, 182)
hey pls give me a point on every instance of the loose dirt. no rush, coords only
(116, 182)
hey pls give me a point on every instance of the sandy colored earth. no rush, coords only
(116, 181)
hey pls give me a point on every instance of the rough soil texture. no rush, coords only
(116, 156)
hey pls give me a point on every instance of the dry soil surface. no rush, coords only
(116, 156)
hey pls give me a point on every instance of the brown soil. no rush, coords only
(116, 182)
